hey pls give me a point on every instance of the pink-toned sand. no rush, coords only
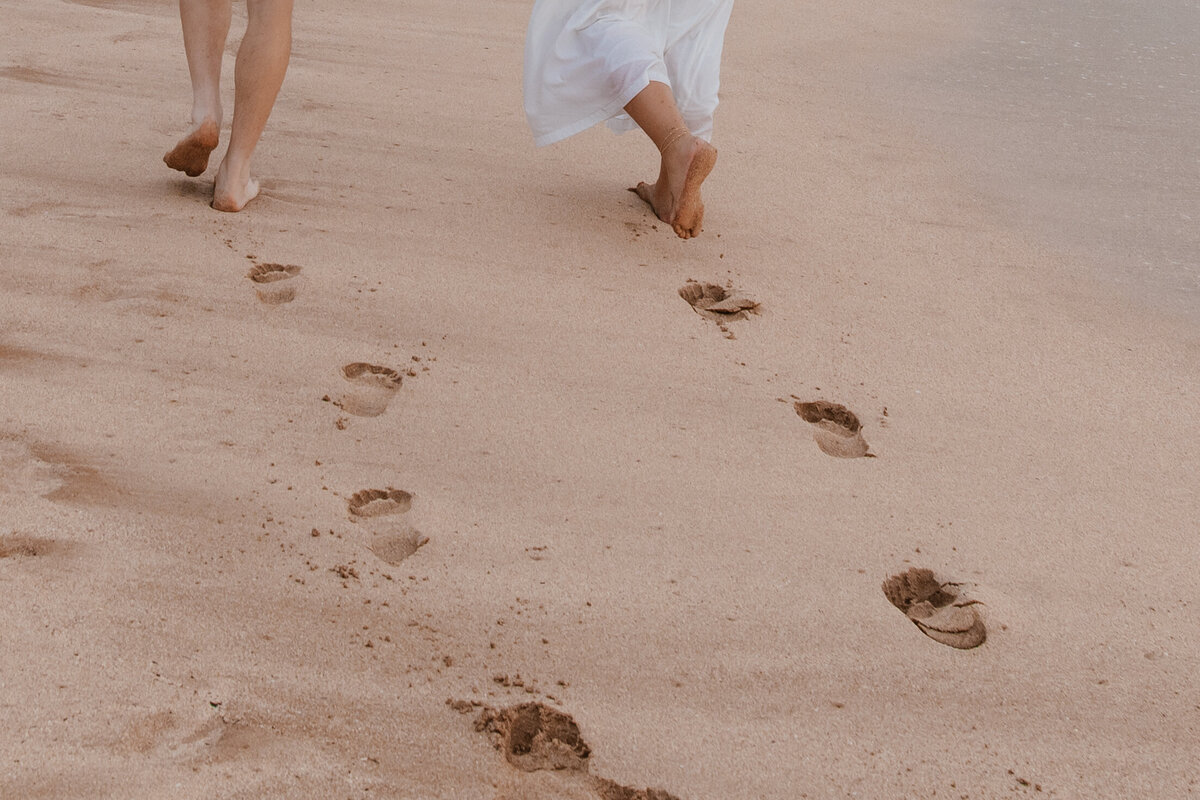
(626, 519)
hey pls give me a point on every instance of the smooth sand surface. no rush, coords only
(627, 520)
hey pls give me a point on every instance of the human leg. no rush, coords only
(586, 61)
(262, 61)
(686, 160)
(205, 27)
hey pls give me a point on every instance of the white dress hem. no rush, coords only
(612, 112)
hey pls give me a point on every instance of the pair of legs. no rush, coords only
(686, 160)
(262, 60)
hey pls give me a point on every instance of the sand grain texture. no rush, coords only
(623, 521)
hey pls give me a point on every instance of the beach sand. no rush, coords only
(626, 518)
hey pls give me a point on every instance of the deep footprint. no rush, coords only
(718, 304)
(273, 282)
(837, 430)
(611, 790)
(535, 737)
(377, 502)
(938, 608)
(371, 388)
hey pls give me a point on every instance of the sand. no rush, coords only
(588, 495)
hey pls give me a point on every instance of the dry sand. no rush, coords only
(626, 518)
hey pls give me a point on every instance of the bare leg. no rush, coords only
(686, 160)
(205, 26)
(262, 61)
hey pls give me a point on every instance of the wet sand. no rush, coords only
(587, 494)
(1077, 122)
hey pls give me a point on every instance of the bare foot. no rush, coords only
(230, 193)
(190, 155)
(689, 212)
(675, 196)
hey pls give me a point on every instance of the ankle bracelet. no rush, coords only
(673, 137)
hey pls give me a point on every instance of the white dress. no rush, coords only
(585, 59)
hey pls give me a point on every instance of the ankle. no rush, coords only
(203, 115)
(234, 172)
(673, 138)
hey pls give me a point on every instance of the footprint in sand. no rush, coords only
(379, 502)
(401, 540)
(835, 428)
(611, 790)
(718, 304)
(533, 737)
(273, 282)
(371, 389)
(394, 548)
(939, 608)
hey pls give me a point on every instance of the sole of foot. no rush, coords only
(190, 154)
